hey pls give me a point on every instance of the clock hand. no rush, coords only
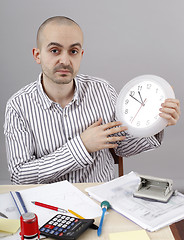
(142, 104)
(141, 98)
(135, 98)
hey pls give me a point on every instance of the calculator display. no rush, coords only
(65, 227)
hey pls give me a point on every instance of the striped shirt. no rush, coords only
(43, 140)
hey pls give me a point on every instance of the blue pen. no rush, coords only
(19, 202)
(104, 205)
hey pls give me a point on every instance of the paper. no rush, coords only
(63, 195)
(8, 207)
(9, 225)
(131, 235)
(149, 215)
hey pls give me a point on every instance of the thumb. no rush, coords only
(96, 124)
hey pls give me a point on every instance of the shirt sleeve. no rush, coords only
(133, 145)
(24, 167)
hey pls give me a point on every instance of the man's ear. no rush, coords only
(36, 55)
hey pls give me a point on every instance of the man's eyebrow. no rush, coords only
(60, 45)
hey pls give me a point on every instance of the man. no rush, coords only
(62, 126)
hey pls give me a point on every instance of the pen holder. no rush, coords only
(29, 226)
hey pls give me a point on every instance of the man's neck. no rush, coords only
(59, 93)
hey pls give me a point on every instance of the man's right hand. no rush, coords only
(97, 136)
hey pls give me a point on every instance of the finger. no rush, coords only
(173, 100)
(111, 125)
(110, 145)
(115, 139)
(172, 105)
(115, 130)
(96, 124)
(169, 118)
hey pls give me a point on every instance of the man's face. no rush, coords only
(60, 52)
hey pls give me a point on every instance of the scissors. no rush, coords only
(2, 215)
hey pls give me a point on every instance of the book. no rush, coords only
(150, 215)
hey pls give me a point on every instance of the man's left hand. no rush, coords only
(170, 110)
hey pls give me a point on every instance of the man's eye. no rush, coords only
(74, 51)
(54, 51)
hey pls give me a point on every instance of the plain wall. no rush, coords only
(122, 40)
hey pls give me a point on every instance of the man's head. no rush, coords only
(59, 49)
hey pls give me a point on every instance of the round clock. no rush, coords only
(139, 102)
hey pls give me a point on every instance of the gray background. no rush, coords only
(122, 39)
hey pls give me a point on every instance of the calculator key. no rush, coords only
(52, 232)
(67, 218)
(56, 233)
(61, 234)
(72, 219)
(64, 226)
(63, 217)
(42, 229)
(63, 221)
(68, 227)
(56, 228)
(60, 225)
(76, 220)
(51, 222)
(68, 223)
(59, 215)
(64, 231)
(47, 230)
(54, 219)
(49, 226)
(59, 220)
(60, 229)
(54, 224)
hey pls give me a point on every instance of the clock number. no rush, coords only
(126, 101)
(148, 122)
(126, 111)
(149, 86)
(131, 119)
(139, 88)
(132, 93)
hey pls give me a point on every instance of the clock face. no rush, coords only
(139, 102)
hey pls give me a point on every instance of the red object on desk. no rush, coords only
(50, 207)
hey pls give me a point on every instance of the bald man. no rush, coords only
(62, 126)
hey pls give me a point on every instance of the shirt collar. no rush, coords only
(47, 102)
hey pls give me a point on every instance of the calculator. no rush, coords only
(65, 227)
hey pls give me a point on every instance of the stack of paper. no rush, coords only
(150, 215)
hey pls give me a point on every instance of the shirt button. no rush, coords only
(69, 138)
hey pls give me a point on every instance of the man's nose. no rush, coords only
(65, 59)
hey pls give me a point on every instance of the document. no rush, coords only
(150, 215)
(62, 195)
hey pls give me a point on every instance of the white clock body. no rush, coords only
(139, 102)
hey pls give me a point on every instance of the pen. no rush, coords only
(49, 207)
(93, 226)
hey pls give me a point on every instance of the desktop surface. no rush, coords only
(113, 222)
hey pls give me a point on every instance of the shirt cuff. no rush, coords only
(156, 140)
(79, 152)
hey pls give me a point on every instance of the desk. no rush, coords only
(113, 222)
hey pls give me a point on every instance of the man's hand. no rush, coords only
(170, 111)
(97, 136)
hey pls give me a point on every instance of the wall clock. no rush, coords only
(139, 102)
